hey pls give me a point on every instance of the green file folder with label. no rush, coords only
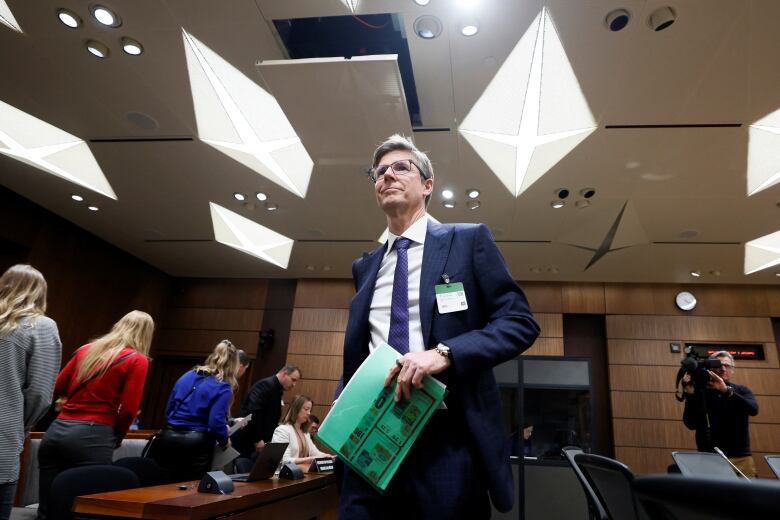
(369, 431)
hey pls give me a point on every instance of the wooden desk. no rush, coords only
(314, 496)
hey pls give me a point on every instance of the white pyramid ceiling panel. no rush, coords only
(762, 253)
(234, 113)
(533, 100)
(250, 237)
(7, 17)
(763, 163)
(46, 147)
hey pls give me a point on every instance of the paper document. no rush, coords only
(223, 457)
(369, 431)
(238, 423)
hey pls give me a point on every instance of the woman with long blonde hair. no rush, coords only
(294, 430)
(99, 392)
(30, 351)
(197, 415)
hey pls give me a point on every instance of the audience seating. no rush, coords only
(774, 463)
(703, 464)
(611, 482)
(594, 504)
(86, 480)
(147, 470)
(677, 497)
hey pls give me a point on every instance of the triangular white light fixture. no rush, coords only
(533, 113)
(7, 17)
(762, 253)
(243, 121)
(351, 4)
(50, 149)
(763, 163)
(250, 237)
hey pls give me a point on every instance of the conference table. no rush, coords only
(314, 496)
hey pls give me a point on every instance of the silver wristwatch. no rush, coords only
(444, 350)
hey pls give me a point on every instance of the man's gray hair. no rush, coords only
(399, 142)
(289, 369)
(723, 353)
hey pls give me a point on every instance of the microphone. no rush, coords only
(717, 450)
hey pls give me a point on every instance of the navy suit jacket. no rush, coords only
(496, 327)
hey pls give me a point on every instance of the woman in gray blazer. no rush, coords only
(30, 351)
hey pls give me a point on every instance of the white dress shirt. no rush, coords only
(379, 315)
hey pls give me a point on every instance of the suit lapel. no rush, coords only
(437, 247)
(366, 275)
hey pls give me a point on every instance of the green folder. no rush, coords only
(369, 431)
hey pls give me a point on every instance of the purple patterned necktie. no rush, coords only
(399, 308)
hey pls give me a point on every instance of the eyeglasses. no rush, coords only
(401, 168)
(726, 365)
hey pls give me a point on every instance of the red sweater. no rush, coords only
(111, 399)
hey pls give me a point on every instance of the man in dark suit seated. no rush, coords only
(479, 319)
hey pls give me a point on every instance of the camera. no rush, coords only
(698, 369)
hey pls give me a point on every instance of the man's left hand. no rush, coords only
(716, 382)
(412, 369)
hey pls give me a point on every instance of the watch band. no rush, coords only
(444, 351)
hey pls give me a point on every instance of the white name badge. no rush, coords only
(450, 297)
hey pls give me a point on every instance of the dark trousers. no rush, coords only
(182, 454)
(68, 444)
(7, 492)
(441, 478)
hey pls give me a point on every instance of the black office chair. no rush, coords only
(86, 480)
(703, 464)
(611, 482)
(774, 463)
(676, 497)
(595, 507)
(147, 470)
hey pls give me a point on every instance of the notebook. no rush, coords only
(265, 465)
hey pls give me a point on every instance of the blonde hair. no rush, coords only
(294, 409)
(22, 294)
(133, 330)
(223, 364)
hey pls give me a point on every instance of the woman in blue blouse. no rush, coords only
(197, 415)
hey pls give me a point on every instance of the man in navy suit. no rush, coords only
(460, 459)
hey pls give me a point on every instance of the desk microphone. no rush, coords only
(717, 450)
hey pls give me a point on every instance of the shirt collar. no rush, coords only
(416, 233)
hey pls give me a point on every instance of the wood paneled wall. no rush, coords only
(202, 312)
(91, 283)
(642, 321)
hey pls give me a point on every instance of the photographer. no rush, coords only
(719, 411)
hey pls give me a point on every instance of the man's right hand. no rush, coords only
(259, 445)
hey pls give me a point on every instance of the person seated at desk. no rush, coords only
(294, 430)
(197, 414)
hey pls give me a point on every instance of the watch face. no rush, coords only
(685, 300)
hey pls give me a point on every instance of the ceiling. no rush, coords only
(667, 160)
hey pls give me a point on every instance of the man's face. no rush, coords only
(726, 369)
(289, 381)
(401, 194)
(314, 427)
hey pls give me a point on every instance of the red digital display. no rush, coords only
(737, 350)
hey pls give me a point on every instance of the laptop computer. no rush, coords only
(265, 465)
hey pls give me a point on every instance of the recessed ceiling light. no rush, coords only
(422, 2)
(270, 206)
(310, 268)
(588, 192)
(97, 49)
(582, 204)
(261, 196)
(239, 196)
(695, 274)
(93, 208)
(472, 193)
(469, 28)
(616, 20)
(132, 47)
(777, 273)
(326, 268)
(77, 198)
(561, 193)
(447, 194)
(427, 27)
(69, 18)
(557, 204)
(449, 204)
(473, 204)
(106, 16)
(715, 272)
